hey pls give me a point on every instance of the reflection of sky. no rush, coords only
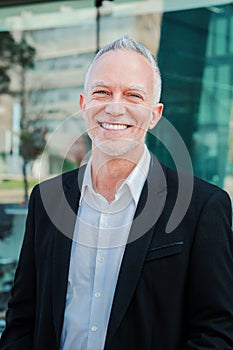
(62, 14)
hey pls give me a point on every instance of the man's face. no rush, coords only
(118, 103)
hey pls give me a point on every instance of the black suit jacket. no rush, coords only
(174, 291)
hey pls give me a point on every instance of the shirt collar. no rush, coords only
(138, 175)
(134, 181)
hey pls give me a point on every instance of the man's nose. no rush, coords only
(115, 108)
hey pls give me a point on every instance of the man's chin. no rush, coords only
(117, 148)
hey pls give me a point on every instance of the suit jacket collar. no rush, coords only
(72, 182)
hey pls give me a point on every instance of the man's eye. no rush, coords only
(101, 92)
(134, 95)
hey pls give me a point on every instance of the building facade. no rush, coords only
(193, 41)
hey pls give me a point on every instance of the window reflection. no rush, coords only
(39, 98)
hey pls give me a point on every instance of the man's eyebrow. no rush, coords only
(130, 86)
(136, 87)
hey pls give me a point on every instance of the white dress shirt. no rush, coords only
(100, 236)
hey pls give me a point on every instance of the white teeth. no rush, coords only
(114, 126)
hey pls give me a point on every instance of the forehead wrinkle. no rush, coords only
(99, 83)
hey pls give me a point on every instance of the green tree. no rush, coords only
(25, 60)
(21, 54)
(8, 48)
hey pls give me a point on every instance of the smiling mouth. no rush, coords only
(110, 126)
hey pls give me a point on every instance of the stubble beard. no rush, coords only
(117, 147)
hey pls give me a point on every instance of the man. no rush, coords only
(113, 278)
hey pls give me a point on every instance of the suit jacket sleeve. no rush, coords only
(210, 280)
(20, 318)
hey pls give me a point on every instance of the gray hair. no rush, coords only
(127, 44)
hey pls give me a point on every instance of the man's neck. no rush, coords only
(108, 173)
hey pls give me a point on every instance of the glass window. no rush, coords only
(45, 51)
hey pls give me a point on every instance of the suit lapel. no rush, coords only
(62, 248)
(60, 269)
(150, 206)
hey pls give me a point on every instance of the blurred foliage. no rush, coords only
(9, 184)
(13, 53)
(32, 143)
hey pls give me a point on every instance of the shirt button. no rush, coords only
(100, 258)
(97, 294)
(94, 328)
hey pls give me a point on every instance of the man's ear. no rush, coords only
(157, 111)
(82, 101)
